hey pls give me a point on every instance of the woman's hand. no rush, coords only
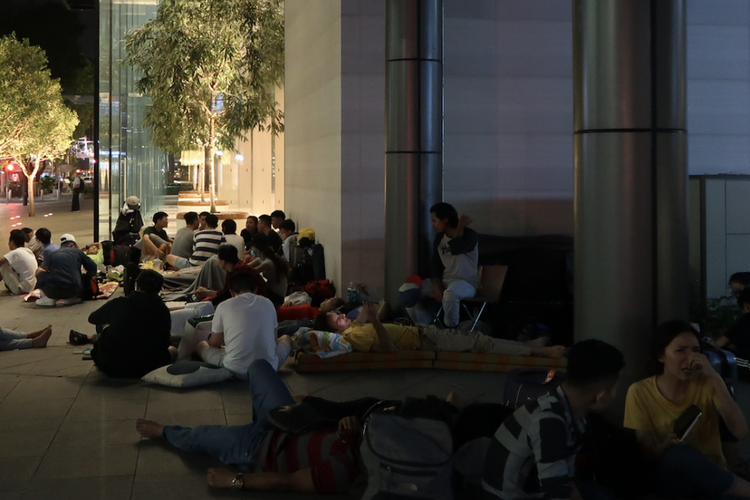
(700, 363)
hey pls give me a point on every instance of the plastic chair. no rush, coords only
(491, 284)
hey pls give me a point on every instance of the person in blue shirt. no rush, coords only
(60, 277)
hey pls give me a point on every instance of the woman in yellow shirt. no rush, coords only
(695, 467)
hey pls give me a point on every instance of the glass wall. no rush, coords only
(128, 163)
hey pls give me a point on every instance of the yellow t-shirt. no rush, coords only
(362, 336)
(646, 409)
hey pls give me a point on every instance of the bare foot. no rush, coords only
(538, 342)
(555, 351)
(34, 335)
(149, 429)
(41, 340)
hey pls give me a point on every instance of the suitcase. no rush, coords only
(525, 385)
(725, 364)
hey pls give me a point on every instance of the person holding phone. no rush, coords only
(693, 467)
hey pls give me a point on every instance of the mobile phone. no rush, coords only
(685, 423)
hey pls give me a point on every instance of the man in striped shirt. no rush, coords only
(206, 244)
(321, 461)
(534, 450)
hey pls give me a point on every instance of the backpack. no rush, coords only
(407, 453)
(300, 262)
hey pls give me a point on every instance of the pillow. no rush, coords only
(187, 374)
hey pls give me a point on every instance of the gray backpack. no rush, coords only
(407, 457)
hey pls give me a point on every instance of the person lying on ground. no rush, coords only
(10, 340)
(695, 466)
(205, 245)
(533, 452)
(289, 312)
(246, 326)
(60, 277)
(134, 338)
(18, 267)
(95, 252)
(320, 461)
(368, 334)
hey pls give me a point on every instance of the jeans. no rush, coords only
(451, 340)
(237, 444)
(424, 312)
(11, 279)
(291, 326)
(685, 472)
(10, 340)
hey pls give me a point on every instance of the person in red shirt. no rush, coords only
(288, 312)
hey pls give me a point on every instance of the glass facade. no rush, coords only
(128, 163)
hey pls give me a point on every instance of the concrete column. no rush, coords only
(631, 246)
(414, 134)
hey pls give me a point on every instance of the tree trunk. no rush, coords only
(212, 163)
(202, 176)
(30, 188)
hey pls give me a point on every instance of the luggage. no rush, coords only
(408, 456)
(525, 385)
(725, 364)
(318, 262)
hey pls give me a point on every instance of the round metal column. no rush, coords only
(414, 135)
(631, 259)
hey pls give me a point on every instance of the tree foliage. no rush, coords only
(197, 51)
(35, 124)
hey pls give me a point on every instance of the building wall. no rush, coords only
(509, 114)
(313, 110)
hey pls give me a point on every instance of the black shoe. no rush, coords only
(77, 338)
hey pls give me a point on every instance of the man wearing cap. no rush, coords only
(60, 276)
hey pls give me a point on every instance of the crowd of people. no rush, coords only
(243, 282)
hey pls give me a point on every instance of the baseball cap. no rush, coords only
(65, 238)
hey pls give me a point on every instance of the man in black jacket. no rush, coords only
(454, 265)
(134, 337)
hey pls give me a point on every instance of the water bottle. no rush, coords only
(351, 292)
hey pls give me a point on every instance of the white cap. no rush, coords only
(132, 200)
(65, 238)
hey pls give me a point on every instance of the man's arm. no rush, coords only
(3, 260)
(548, 437)
(216, 339)
(464, 239)
(301, 481)
(385, 343)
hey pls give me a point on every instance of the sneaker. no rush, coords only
(46, 302)
(70, 302)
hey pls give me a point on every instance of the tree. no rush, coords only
(210, 68)
(35, 124)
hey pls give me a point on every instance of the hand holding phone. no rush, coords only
(685, 422)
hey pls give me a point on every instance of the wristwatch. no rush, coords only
(238, 482)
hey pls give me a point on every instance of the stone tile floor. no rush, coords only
(67, 432)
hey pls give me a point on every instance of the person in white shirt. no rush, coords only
(246, 325)
(229, 228)
(288, 232)
(18, 267)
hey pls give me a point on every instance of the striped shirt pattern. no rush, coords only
(534, 450)
(205, 245)
(330, 458)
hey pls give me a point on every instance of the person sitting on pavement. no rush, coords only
(45, 238)
(324, 460)
(246, 325)
(205, 245)
(691, 466)
(59, 276)
(33, 243)
(455, 254)
(288, 232)
(251, 229)
(277, 217)
(202, 218)
(738, 282)
(10, 340)
(18, 267)
(183, 240)
(272, 267)
(229, 262)
(533, 453)
(134, 338)
(155, 241)
(229, 228)
(368, 334)
(264, 227)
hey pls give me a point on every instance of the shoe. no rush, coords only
(77, 338)
(70, 302)
(46, 302)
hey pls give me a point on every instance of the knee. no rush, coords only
(681, 458)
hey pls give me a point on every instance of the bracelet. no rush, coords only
(238, 482)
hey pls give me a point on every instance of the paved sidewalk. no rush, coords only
(52, 214)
